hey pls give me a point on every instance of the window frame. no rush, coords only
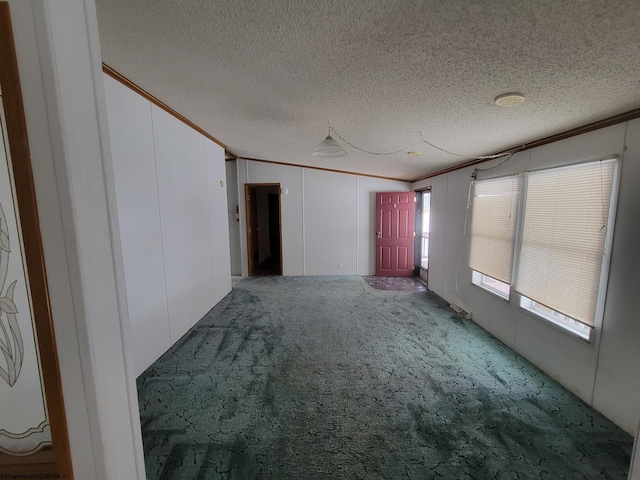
(563, 322)
(424, 237)
(480, 280)
(470, 202)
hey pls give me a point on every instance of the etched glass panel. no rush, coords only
(24, 421)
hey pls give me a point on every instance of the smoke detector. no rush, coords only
(509, 99)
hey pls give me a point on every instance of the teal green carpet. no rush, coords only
(327, 378)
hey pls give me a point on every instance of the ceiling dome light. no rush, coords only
(509, 99)
(329, 148)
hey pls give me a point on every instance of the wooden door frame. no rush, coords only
(247, 208)
(55, 460)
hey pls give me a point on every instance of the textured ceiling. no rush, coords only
(264, 76)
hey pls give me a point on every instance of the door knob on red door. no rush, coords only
(379, 234)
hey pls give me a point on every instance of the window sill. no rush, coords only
(558, 325)
(478, 279)
(495, 293)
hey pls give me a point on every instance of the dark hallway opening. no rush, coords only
(264, 232)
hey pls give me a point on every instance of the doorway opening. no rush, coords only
(423, 219)
(264, 228)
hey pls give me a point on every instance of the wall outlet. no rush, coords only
(339, 266)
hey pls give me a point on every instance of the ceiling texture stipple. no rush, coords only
(264, 76)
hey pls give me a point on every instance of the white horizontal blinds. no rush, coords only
(493, 226)
(563, 239)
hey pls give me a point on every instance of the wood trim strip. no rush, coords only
(142, 92)
(346, 172)
(34, 256)
(607, 122)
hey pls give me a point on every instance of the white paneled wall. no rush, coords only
(172, 211)
(603, 373)
(330, 223)
(234, 224)
(134, 169)
(618, 374)
(328, 218)
(218, 208)
(437, 234)
(456, 200)
(184, 211)
(290, 208)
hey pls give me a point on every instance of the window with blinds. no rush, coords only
(561, 249)
(565, 225)
(493, 227)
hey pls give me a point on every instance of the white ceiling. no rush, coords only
(264, 76)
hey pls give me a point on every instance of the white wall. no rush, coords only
(603, 373)
(234, 225)
(218, 226)
(290, 207)
(60, 71)
(182, 195)
(330, 223)
(328, 218)
(619, 353)
(136, 184)
(437, 237)
(173, 220)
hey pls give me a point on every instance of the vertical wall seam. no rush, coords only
(596, 359)
(304, 236)
(357, 224)
(208, 187)
(164, 253)
(444, 235)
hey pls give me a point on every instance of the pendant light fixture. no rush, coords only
(329, 147)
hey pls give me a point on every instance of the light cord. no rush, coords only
(478, 157)
(331, 129)
(508, 153)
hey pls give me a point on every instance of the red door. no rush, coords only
(394, 234)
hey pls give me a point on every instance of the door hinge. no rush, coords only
(415, 199)
(414, 234)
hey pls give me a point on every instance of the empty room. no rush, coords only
(308, 240)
